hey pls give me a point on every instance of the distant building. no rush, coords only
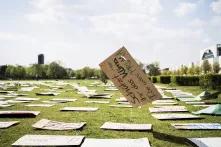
(41, 59)
(212, 54)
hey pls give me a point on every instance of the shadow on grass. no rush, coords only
(173, 139)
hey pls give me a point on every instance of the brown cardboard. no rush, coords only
(127, 76)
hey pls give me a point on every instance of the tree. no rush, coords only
(3, 69)
(206, 67)
(37, 71)
(20, 72)
(56, 71)
(153, 69)
(197, 70)
(183, 70)
(10, 71)
(191, 70)
(216, 67)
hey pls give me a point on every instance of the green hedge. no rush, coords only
(186, 80)
(210, 81)
(165, 79)
(154, 79)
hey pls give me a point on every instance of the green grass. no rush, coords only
(161, 135)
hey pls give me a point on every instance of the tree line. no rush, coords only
(153, 69)
(56, 71)
(48, 71)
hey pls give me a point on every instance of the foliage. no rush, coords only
(216, 67)
(186, 80)
(183, 70)
(210, 81)
(197, 70)
(154, 79)
(206, 67)
(56, 71)
(3, 71)
(153, 69)
(165, 79)
(191, 70)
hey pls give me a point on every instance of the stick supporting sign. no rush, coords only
(127, 76)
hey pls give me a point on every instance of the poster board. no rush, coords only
(127, 76)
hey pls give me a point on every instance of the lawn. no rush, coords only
(161, 135)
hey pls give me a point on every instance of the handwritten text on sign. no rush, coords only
(127, 76)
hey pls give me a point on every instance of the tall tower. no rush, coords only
(41, 59)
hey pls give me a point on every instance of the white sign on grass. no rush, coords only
(89, 142)
(175, 116)
(49, 140)
(7, 124)
(126, 126)
(56, 125)
(197, 126)
(80, 109)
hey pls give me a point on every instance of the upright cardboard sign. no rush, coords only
(127, 76)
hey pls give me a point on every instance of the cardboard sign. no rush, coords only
(91, 142)
(206, 142)
(167, 109)
(79, 109)
(197, 126)
(46, 124)
(19, 113)
(175, 116)
(49, 140)
(8, 124)
(127, 76)
(126, 126)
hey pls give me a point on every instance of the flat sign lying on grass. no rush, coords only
(26, 99)
(126, 126)
(8, 124)
(55, 125)
(167, 109)
(206, 142)
(197, 126)
(121, 106)
(4, 105)
(39, 105)
(49, 140)
(22, 114)
(143, 142)
(127, 76)
(80, 109)
(64, 100)
(164, 102)
(175, 116)
(98, 102)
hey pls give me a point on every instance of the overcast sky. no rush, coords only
(84, 32)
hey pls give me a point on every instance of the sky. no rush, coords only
(82, 33)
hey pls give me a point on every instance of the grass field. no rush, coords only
(161, 135)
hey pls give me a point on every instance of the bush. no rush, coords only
(165, 79)
(210, 81)
(186, 80)
(154, 79)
